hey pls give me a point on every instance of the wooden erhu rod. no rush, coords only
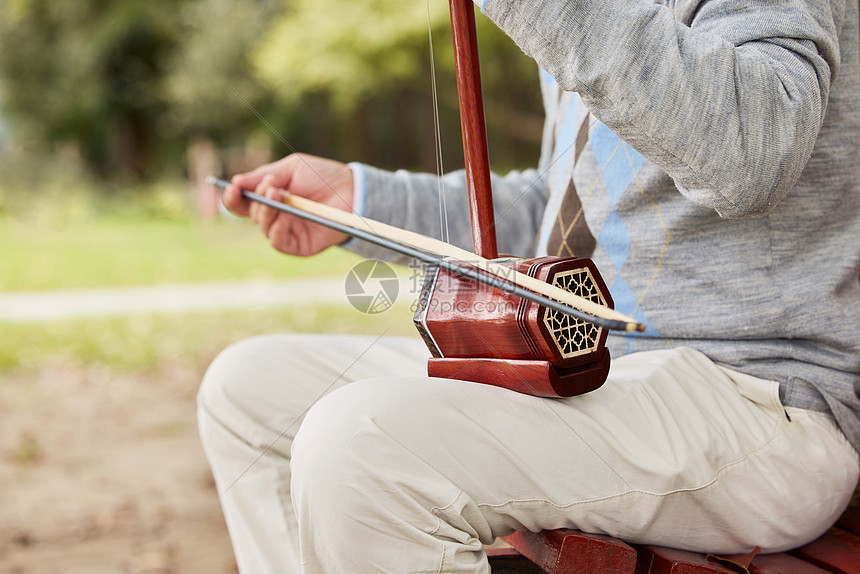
(473, 128)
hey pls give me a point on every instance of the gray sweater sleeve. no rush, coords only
(412, 201)
(666, 79)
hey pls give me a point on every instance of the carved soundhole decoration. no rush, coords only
(573, 336)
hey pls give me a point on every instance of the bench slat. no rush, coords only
(783, 564)
(660, 560)
(837, 551)
(572, 552)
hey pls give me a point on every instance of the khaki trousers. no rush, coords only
(338, 454)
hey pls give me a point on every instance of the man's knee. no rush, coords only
(227, 378)
(247, 391)
(365, 464)
(365, 435)
(348, 437)
(322, 446)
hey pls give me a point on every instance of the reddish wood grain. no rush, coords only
(569, 551)
(537, 378)
(481, 334)
(471, 320)
(473, 128)
(783, 564)
(659, 560)
(836, 551)
(572, 552)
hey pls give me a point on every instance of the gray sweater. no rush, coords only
(714, 148)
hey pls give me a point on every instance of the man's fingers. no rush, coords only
(233, 200)
(307, 176)
(267, 215)
(258, 210)
(280, 173)
(281, 235)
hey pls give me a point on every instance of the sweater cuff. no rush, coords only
(359, 193)
(378, 195)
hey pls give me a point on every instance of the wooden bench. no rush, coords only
(573, 552)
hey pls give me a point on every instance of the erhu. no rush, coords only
(536, 326)
(487, 336)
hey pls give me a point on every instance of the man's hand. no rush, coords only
(323, 180)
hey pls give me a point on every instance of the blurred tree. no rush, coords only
(350, 50)
(134, 87)
(213, 96)
(366, 67)
(208, 75)
(86, 73)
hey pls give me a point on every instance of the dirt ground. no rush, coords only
(102, 473)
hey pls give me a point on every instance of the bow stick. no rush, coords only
(431, 251)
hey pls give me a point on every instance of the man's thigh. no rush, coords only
(262, 387)
(671, 450)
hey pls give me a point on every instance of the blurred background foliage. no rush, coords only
(110, 96)
(111, 113)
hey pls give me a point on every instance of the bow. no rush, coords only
(438, 254)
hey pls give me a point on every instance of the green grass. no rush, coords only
(68, 236)
(146, 342)
(117, 250)
(69, 231)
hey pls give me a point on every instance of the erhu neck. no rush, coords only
(474, 128)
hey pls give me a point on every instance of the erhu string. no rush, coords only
(443, 213)
(437, 134)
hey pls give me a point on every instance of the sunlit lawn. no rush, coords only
(147, 341)
(117, 251)
(107, 250)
